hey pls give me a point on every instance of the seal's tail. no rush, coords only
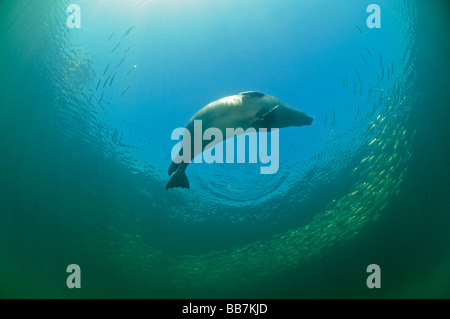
(173, 167)
(179, 179)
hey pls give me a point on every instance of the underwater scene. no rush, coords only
(338, 186)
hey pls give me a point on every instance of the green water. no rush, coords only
(82, 176)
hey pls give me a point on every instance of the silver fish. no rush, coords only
(120, 62)
(126, 89)
(131, 69)
(116, 46)
(128, 31)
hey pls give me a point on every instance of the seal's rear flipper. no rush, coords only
(179, 179)
(173, 167)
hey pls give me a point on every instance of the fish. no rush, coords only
(373, 111)
(370, 53)
(126, 89)
(112, 79)
(106, 70)
(357, 113)
(363, 58)
(116, 47)
(110, 37)
(128, 31)
(98, 84)
(129, 47)
(106, 81)
(326, 118)
(131, 69)
(114, 136)
(359, 78)
(382, 67)
(359, 29)
(120, 62)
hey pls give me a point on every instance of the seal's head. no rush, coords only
(286, 116)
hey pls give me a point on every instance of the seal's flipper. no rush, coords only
(264, 119)
(179, 179)
(173, 167)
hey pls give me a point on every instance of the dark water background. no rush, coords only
(82, 173)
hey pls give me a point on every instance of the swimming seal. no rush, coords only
(245, 110)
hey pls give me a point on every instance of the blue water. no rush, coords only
(86, 117)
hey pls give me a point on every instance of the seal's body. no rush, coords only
(245, 110)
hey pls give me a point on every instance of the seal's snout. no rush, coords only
(305, 120)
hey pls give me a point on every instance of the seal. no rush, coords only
(245, 110)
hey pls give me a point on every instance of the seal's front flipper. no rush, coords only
(179, 179)
(265, 118)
